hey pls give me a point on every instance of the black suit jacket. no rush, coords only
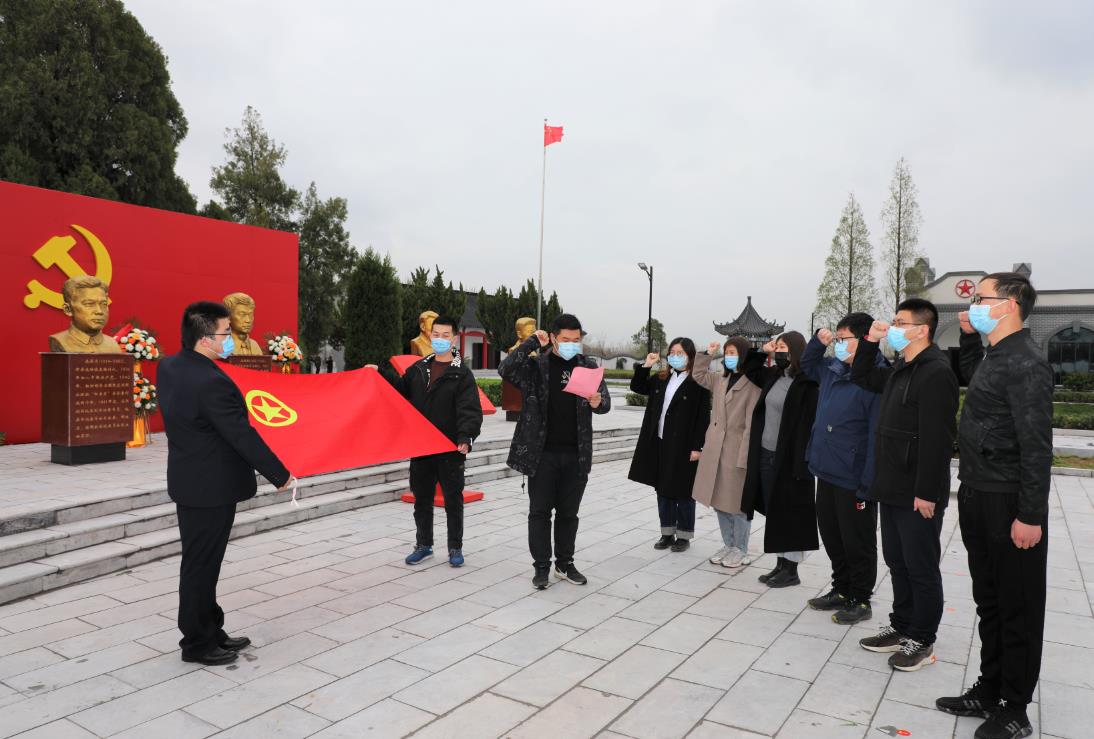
(212, 450)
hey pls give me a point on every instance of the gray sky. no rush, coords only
(716, 140)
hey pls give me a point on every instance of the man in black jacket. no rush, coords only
(1006, 466)
(212, 455)
(914, 446)
(444, 391)
(553, 442)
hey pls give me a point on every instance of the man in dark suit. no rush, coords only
(212, 455)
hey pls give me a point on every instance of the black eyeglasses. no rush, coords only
(902, 324)
(978, 299)
(228, 333)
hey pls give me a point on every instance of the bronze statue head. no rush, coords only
(87, 303)
(241, 306)
(425, 322)
(525, 327)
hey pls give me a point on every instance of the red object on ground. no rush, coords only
(401, 363)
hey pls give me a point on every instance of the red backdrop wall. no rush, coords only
(159, 262)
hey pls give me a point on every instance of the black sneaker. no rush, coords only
(912, 656)
(664, 542)
(978, 700)
(768, 575)
(830, 601)
(570, 574)
(681, 545)
(1005, 723)
(854, 612)
(541, 580)
(887, 639)
(784, 578)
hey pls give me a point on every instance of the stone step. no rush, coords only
(50, 571)
(108, 502)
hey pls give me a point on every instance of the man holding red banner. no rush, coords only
(212, 455)
(444, 391)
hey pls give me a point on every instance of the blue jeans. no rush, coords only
(735, 530)
(677, 517)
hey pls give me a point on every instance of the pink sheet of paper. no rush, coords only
(584, 381)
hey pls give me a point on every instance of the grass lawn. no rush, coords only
(1082, 463)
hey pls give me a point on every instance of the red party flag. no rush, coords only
(322, 423)
(551, 134)
(403, 362)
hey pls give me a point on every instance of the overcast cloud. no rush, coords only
(715, 140)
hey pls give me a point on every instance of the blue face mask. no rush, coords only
(731, 362)
(441, 346)
(229, 346)
(897, 339)
(569, 349)
(840, 348)
(981, 320)
(678, 361)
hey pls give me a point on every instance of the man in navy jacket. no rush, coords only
(212, 454)
(841, 455)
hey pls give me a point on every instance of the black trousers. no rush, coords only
(1008, 585)
(425, 474)
(912, 548)
(848, 529)
(558, 486)
(204, 533)
(677, 516)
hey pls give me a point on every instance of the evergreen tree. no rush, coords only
(498, 315)
(901, 220)
(86, 104)
(848, 284)
(325, 260)
(660, 339)
(372, 311)
(250, 183)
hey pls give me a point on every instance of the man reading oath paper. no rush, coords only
(553, 441)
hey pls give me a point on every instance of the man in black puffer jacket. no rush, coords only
(1006, 467)
(553, 442)
(914, 445)
(444, 391)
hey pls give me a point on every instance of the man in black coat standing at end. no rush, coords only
(212, 455)
(914, 445)
(1006, 476)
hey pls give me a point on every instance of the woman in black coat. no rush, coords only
(667, 454)
(778, 483)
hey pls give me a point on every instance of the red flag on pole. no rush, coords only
(551, 134)
(328, 422)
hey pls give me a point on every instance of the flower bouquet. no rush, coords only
(145, 403)
(285, 352)
(139, 343)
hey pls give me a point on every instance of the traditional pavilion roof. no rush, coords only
(750, 325)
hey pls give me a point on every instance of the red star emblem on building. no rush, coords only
(965, 288)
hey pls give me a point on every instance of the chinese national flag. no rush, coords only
(551, 134)
(323, 423)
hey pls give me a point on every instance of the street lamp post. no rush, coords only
(648, 269)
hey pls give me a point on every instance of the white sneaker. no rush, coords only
(718, 556)
(734, 559)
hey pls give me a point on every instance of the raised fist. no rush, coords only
(878, 331)
(825, 337)
(963, 319)
(651, 359)
(769, 347)
(713, 348)
(542, 337)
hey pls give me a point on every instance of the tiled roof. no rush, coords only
(749, 324)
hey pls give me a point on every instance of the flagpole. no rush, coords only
(542, 202)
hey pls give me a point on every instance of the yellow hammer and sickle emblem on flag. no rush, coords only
(56, 252)
(268, 410)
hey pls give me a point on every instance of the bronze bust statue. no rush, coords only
(525, 327)
(242, 319)
(87, 303)
(422, 344)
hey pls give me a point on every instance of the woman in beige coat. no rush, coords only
(719, 481)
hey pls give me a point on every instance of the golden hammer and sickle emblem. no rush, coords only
(268, 410)
(56, 252)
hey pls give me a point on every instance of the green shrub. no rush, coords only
(617, 374)
(1081, 381)
(636, 399)
(1073, 396)
(491, 388)
(1072, 416)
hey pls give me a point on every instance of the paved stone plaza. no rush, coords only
(350, 642)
